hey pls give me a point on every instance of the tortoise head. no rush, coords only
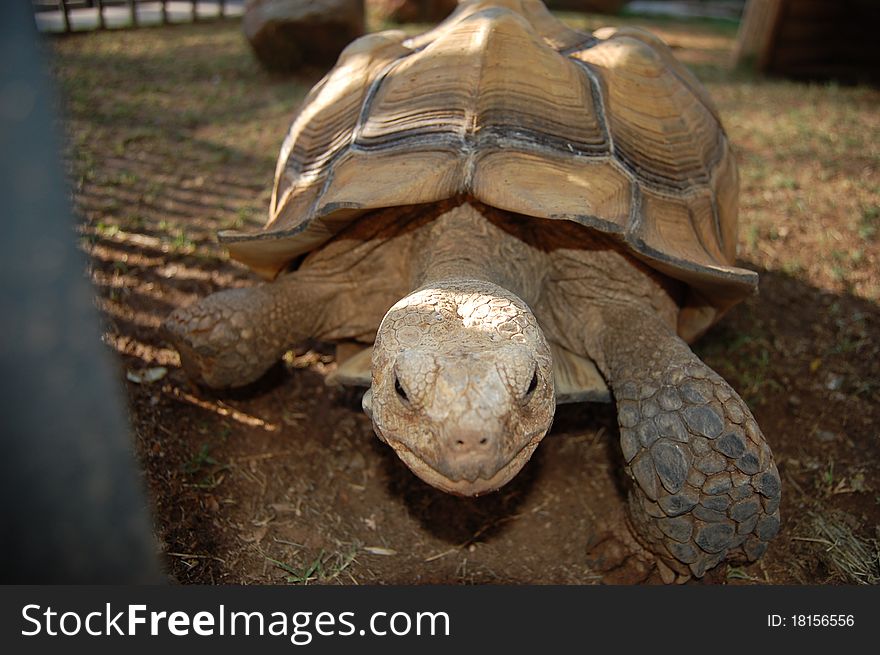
(462, 385)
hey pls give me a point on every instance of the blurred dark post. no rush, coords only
(73, 508)
(101, 23)
(132, 13)
(195, 13)
(164, 12)
(65, 14)
(222, 8)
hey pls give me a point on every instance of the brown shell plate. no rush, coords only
(503, 103)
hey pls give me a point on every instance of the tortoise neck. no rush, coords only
(464, 245)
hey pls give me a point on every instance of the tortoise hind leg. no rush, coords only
(232, 337)
(705, 484)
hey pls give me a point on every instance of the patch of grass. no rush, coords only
(124, 179)
(792, 267)
(134, 222)
(745, 360)
(783, 181)
(203, 463)
(869, 222)
(182, 243)
(739, 573)
(106, 230)
(199, 460)
(323, 568)
(243, 216)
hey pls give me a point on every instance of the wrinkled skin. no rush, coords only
(462, 376)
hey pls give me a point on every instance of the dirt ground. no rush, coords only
(172, 134)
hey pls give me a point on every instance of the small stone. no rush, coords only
(647, 432)
(703, 420)
(767, 527)
(744, 509)
(754, 548)
(643, 471)
(711, 463)
(670, 425)
(669, 399)
(629, 444)
(650, 408)
(717, 484)
(717, 503)
(679, 528)
(833, 382)
(671, 463)
(288, 33)
(748, 525)
(826, 436)
(748, 463)
(715, 537)
(683, 552)
(627, 414)
(680, 503)
(731, 444)
(709, 515)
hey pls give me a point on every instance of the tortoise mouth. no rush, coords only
(464, 487)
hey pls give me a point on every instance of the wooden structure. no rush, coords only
(587, 6)
(811, 39)
(77, 15)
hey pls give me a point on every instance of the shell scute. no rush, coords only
(504, 104)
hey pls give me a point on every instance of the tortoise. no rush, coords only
(515, 214)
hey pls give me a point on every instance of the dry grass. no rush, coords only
(855, 558)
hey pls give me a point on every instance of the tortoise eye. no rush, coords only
(532, 385)
(400, 390)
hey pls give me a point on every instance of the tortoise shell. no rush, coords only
(504, 104)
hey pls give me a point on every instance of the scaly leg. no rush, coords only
(706, 487)
(232, 337)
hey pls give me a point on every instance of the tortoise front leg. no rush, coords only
(706, 487)
(232, 337)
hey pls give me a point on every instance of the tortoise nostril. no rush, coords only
(471, 443)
